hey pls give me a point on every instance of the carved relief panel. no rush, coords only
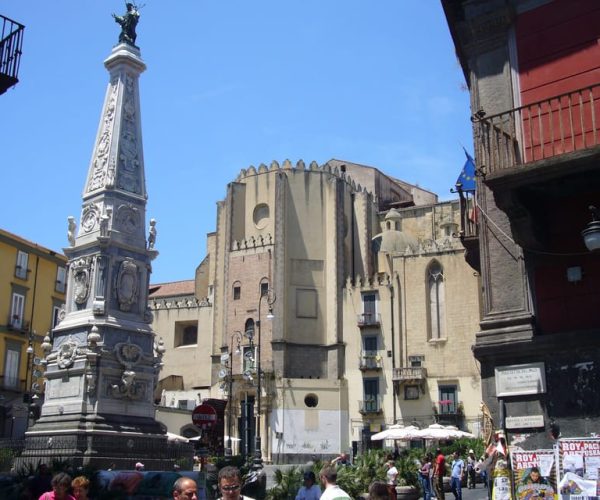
(127, 285)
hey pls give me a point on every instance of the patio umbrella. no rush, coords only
(176, 437)
(438, 431)
(458, 433)
(397, 432)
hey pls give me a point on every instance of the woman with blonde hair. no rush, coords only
(81, 488)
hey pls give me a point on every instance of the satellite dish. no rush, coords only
(222, 373)
(224, 358)
(249, 355)
(35, 387)
(37, 361)
(37, 373)
(248, 376)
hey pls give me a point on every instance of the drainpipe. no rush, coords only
(391, 288)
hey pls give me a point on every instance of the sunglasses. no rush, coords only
(230, 488)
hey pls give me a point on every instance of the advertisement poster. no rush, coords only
(579, 463)
(534, 474)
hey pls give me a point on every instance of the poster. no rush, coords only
(579, 464)
(534, 474)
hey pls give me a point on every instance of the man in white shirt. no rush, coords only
(328, 476)
(310, 490)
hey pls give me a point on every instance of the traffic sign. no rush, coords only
(204, 416)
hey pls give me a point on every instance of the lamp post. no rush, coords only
(591, 234)
(237, 336)
(28, 370)
(269, 296)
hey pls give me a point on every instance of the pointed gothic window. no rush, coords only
(436, 301)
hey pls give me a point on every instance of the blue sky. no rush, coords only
(229, 84)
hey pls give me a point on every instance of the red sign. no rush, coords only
(204, 416)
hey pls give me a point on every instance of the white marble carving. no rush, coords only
(127, 285)
(81, 280)
(72, 227)
(89, 217)
(152, 234)
(128, 218)
(101, 159)
(65, 357)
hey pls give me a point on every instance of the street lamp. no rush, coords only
(591, 234)
(269, 296)
(237, 336)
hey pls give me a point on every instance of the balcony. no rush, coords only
(409, 374)
(370, 406)
(11, 43)
(448, 412)
(368, 319)
(370, 360)
(562, 124)
(16, 323)
(469, 232)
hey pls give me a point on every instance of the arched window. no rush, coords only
(249, 326)
(237, 290)
(264, 286)
(436, 301)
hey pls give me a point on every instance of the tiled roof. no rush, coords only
(174, 288)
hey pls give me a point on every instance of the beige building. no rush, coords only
(371, 303)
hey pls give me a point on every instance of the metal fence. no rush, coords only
(11, 43)
(100, 451)
(561, 124)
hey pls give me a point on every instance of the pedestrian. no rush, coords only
(456, 477)
(341, 459)
(471, 474)
(229, 481)
(42, 481)
(332, 491)
(310, 490)
(439, 471)
(81, 488)
(482, 471)
(425, 477)
(391, 477)
(61, 483)
(185, 489)
(378, 490)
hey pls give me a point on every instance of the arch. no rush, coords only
(236, 290)
(263, 286)
(249, 326)
(436, 302)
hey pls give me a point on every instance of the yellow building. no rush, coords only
(32, 293)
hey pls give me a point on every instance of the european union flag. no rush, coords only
(466, 179)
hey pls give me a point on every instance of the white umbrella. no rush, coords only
(437, 431)
(458, 433)
(176, 437)
(397, 432)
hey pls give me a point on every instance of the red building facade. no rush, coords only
(533, 70)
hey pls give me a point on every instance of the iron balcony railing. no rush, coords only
(543, 129)
(370, 360)
(11, 43)
(408, 374)
(369, 319)
(370, 405)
